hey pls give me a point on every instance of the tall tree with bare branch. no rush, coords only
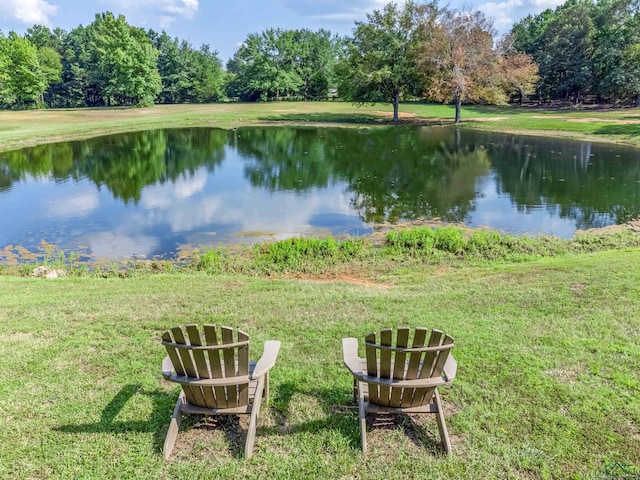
(457, 59)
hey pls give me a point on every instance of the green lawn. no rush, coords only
(26, 128)
(548, 349)
(548, 382)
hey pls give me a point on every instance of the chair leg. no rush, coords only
(363, 421)
(442, 427)
(174, 426)
(253, 423)
(355, 390)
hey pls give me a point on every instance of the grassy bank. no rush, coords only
(18, 129)
(548, 382)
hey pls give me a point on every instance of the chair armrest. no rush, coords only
(450, 368)
(350, 356)
(167, 367)
(268, 359)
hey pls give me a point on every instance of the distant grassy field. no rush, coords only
(548, 383)
(26, 128)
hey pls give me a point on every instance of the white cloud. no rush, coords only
(334, 10)
(108, 245)
(163, 196)
(29, 12)
(78, 205)
(156, 12)
(506, 13)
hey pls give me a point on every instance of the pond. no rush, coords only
(150, 194)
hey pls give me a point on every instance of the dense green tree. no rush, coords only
(616, 32)
(187, 75)
(50, 66)
(584, 47)
(316, 54)
(174, 78)
(377, 65)
(4, 67)
(207, 75)
(283, 63)
(42, 36)
(566, 68)
(80, 85)
(24, 83)
(125, 62)
(265, 66)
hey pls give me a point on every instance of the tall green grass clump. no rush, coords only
(418, 240)
(427, 240)
(450, 239)
(306, 254)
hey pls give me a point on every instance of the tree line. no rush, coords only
(410, 51)
(584, 48)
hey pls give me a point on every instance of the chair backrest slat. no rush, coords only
(400, 361)
(372, 364)
(173, 354)
(399, 365)
(192, 358)
(243, 368)
(413, 369)
(172, 351)
(442, 358)
(385, 365)
(189, 367)
(214, 363)
(198, 355)
(429, 357)
(415, 357)
(201, 365)
(229, 366)
(423, 395)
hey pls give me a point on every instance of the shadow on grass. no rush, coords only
(342, 417)
(357, 118)
(631, 129)
(157, 424)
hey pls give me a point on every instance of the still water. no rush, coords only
(152, 193)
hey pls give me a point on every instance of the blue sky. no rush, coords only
(225, 24)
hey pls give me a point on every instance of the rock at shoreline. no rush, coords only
(46, 272)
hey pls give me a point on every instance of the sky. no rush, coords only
(224, 24)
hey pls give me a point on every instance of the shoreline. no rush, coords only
(23, 129)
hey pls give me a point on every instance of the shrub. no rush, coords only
(418, 239)
(450, 239)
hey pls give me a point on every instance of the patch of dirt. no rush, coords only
(341, 277)
(485, 119)
(568, 374)
(587, 119)
(400, 114)
(201, 436)
(577, 288)
(633, 225)
(420, 431)
(442, 270)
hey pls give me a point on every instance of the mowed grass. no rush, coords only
(28, 128)
(548, 381)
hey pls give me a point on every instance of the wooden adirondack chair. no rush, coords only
(398, 378)
(216, 376)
